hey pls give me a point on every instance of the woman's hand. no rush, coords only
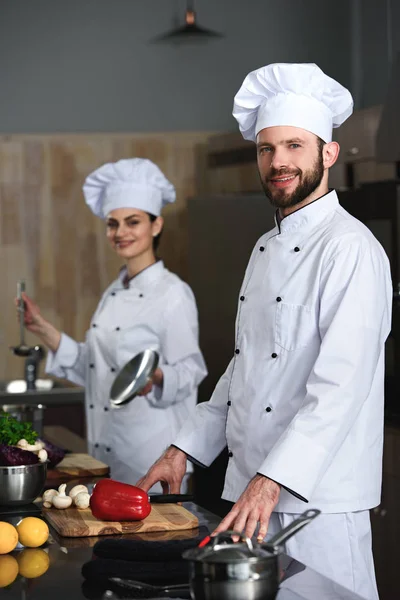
(157, 379)
(35, 323)
(32, 318)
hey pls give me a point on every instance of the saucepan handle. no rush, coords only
(295, 526)
(170, 498)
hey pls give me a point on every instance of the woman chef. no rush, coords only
(145, 307)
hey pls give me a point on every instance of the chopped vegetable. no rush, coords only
(115, 501)
(11, 456)
(11, 431)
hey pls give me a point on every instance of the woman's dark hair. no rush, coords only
(156, 239)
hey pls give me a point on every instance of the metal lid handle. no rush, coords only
(227, 535)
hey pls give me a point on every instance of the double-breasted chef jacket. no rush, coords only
(301, 401)
(157, 311)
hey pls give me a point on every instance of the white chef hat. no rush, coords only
(128, 183)
(299, 95)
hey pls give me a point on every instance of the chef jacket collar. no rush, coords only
(309, 215)
(142, 279)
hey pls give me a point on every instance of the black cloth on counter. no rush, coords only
(154, 562)
(157, 573)
(147, 550)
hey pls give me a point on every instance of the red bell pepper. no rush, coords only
(115, 501)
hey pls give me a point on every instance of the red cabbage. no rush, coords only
(11, 456)
(54, 453)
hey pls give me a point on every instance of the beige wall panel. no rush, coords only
(10, 226)
(11, 161)
(50, 238)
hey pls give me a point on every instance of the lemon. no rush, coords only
(8, 537)
(33, 562)
(32, 532)
(8, 570)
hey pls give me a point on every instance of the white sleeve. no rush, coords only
(182, 363)
(69, 362)
(354, 322)
(203, 434)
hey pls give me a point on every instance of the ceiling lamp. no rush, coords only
(190, 32)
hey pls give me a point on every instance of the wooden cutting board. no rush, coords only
(73, 522)
(78, 465)
(151, 536)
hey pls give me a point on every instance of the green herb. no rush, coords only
(11, 431)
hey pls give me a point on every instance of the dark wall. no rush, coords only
(88, 65)
(379, 24)
(223, 231)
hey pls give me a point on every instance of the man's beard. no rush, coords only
(308, 183)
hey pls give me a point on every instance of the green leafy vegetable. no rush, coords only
(11, 431)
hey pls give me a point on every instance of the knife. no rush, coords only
(170, 498)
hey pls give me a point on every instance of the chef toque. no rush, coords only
(128, 183)
(298, 95)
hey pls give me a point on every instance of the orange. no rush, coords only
(33, 562)
(8, 570)
(8, 537)
(32, 532)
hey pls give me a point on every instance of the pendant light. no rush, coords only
(190, 32)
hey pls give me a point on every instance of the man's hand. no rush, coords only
(169, 469)
(255, 505)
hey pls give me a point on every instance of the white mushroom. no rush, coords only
(82, 500)
(47, 504)
(62, 500)
(48, 496)
(77, 490)
(31, 447)
(42, 456)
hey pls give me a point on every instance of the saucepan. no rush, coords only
(224, 570)
(133, 377)
(242, 570)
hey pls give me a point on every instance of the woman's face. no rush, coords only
(130, 232)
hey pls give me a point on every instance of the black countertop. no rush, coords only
(63, 579)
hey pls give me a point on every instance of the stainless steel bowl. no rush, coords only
(21, 485)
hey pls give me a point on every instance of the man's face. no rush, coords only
(290, 164)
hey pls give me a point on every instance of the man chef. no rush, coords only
(301, 404)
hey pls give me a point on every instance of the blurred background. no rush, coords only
(90, 81)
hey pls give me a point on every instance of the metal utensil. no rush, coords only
(235, 571)
(22, 349)
(133, 377)
(21, 485)
(153, 590)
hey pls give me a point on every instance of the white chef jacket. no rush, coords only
(157, 311)
(302, 399)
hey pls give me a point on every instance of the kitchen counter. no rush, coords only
(57, 396)
(63, 580)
